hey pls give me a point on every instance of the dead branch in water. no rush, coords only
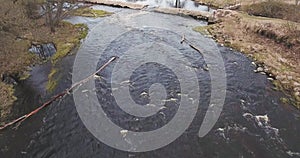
(57, 96)
(183, 39)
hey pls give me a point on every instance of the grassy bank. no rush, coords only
(18, 31)
(7, 99)
(271, 42)
(88, 12)
(67, 43)
(274, 9)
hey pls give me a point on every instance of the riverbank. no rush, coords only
(18, 32)
(272, 43)
(221, 4)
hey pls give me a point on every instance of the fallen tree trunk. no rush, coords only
(183, 39)
(57, 96)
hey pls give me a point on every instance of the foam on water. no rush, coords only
(263, 122)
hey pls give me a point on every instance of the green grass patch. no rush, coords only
(89, 12)
(7, 98)
(67, 39)
(84, 30)
(285, 100)
(25, 75)
(51, 85)
(52, 73)
(52, 80)
(202, 29)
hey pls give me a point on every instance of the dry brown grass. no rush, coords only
(274, 42)
(274, 9)
(17, 33)
(226, 3)
(272, 39)
(7, 98)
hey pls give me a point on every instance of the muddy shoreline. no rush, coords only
(16, 57)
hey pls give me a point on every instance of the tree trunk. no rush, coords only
(49, 17)
(59, 12)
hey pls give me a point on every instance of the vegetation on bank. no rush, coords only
(89, 12)
(271, 42)
(274, 9)
(66, 38)
(67, 43)
(20, 27)
(7, 98)
(220, 4)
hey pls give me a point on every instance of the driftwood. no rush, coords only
(56, 97)
(183, 39)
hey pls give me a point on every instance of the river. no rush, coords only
(253, 122)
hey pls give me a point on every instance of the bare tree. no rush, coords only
(54, 13)
(52, 10)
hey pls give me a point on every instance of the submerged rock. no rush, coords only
(260, 69)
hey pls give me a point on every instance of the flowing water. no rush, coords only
(253, 123)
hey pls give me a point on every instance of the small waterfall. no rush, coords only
(43, 50)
